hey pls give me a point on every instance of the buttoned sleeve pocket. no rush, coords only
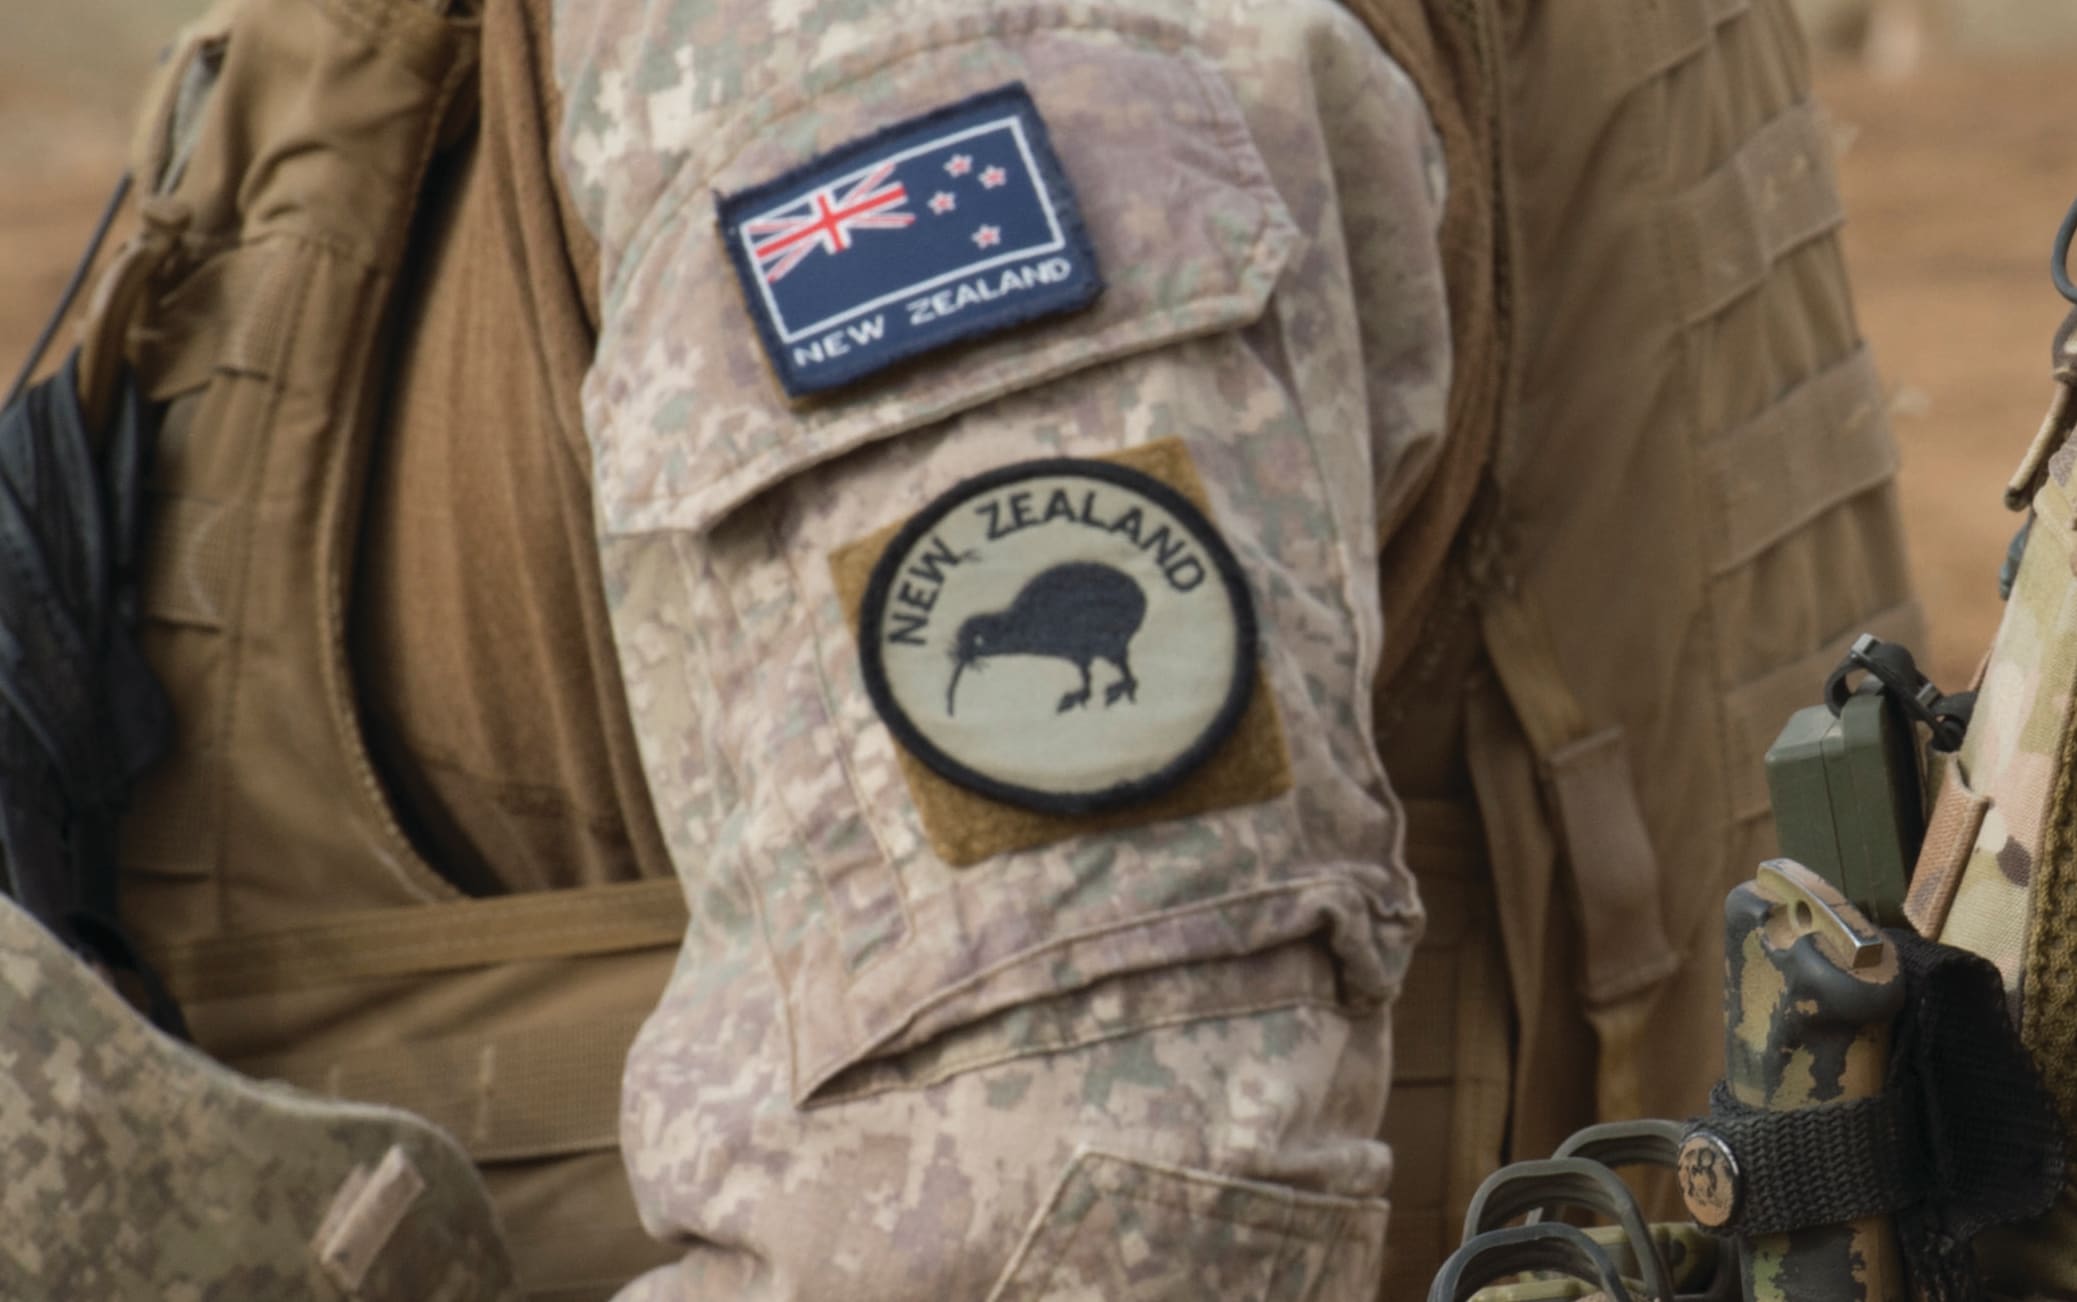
(732, 510)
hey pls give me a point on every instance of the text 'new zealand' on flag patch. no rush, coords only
(933, 231)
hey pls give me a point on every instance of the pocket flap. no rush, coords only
(688, 420)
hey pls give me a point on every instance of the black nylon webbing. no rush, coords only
(1822, 1165)
(1995, 1146)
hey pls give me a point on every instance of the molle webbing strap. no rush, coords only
(1650, 39)
(1775, 194)
(519, 1088)
(1823, 441)
(430, 938)
(192, 555)
(228, 314)
(541, 1091)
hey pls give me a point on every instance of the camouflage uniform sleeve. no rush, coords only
(925, 1042)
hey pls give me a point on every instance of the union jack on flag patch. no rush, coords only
(933, 231)
(826, 221)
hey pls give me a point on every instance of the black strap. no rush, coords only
(1823, 1165)
(70, 294)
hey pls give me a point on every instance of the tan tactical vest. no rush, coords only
(265, 874)
(1671, 466)
(1664, 511)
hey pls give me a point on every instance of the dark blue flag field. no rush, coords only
(937, 230)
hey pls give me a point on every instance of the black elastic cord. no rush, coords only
(2059, 261)
(72, 288)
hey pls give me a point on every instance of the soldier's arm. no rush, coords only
(990, 483)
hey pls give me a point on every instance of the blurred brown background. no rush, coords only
(69, 75)
(1954, 155)
(1956, 172)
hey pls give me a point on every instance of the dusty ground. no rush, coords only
(1954, 181)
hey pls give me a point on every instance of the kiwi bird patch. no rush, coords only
(1068, 636)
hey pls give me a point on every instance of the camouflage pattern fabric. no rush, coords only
(2012, 904)
(1138, 1063)
(2009, 759)
(135, 1167)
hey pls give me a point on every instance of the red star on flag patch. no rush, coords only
(993, 176)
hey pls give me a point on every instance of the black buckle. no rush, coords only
(1892, 670)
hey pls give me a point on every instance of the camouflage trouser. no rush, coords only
(132, 1166)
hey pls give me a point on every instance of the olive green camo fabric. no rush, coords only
(135, 1167)
(1140, 1063)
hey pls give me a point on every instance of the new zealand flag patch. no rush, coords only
(931, 232)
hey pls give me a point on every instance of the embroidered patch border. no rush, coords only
(1231, 704)
(918, 289)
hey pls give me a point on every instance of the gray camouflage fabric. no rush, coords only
(1138, 1064)
(176, 1179)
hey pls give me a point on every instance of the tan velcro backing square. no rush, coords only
(965, 827)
